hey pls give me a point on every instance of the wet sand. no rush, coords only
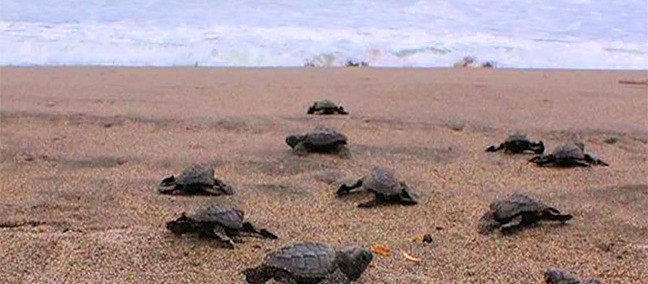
(82, 150)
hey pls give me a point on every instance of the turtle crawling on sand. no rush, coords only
(569, 154)
(311, 262)
(326, 107)
(385, 186)
(518, 144)
(196, 179)
(223, 223)
(321, 140)
(559, 276)
(515, 212)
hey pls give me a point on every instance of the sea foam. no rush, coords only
(516, 34)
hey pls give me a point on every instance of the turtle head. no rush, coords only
(354, 261)
(225, 187)
(181, 225)
(540, 148)
(409, 195)
(487, 223)
(293, 140)
(312, 109)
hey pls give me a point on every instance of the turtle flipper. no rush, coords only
(371, 203)
(257, 275)
(552, 214)
(578, 163)
(168, 185)
(219, 188)
(345, 189)
(249, 228)
(300, 149)
(514, 225)
(595, 161)
(492, 148)
(220, 234)
(542, 160)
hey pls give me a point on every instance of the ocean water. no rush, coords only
(605, 34)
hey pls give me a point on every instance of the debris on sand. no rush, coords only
(634, 82)
(380, 250)
(409, 257)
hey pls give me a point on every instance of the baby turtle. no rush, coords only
(322, 140)
(515, 212)
(326, 107)
(568, 154)
(385, 186)
(197, 179)
(220, 222)
(310, 262)
(559, 276)
(518, 144)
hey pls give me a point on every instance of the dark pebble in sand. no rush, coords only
(122, 160)
(427, 239)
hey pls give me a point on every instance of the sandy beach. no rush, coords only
(83, 149)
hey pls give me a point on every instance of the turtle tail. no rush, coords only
(256, 275)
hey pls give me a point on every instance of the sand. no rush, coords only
(82, 150)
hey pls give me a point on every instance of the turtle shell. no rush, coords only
(559, 276)
(569, 150)
(507, 208)
(325, 104)
(308, 260)
(517, 137)
(197, 175)
(225, 216)
(382, 181)
(324, 137)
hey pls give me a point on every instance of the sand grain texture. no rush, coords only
(83, 148)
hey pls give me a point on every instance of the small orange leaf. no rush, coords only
(411, 258)
(380, 249)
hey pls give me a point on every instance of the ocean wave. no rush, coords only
(131, 44)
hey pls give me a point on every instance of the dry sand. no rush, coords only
(82, 150)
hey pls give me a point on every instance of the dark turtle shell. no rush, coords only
(559, 276)
(517, 137)
(382, 181)
(507, 208)
(307, 260)
(196, 175)
(325, 104)
(324, 137)
(570, 150)
(225, 216)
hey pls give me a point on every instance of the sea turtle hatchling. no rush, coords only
(559, 276)
(326, 107)
(385, 186)
(515, 212)
(196, 179)
(321, 140)
(518, 144)
(568, 154)
(220, 222)
(311, 262)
